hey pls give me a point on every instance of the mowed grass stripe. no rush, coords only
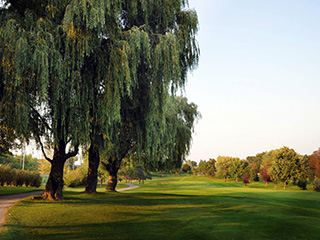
(185, 207)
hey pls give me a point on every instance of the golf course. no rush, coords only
(171, 207)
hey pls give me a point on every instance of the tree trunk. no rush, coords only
(112, 179)
(267, 184)
(54, 186)
(285, 185)
(101, 182)
(94, 160)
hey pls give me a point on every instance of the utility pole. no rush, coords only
(24, 154)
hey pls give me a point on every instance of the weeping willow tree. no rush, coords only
(79, 71)
(181, 118)
(166, 49)
(64, 64)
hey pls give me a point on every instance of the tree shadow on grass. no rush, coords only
(187, 223)
(145, 215)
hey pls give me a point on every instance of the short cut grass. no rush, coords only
(186, 207)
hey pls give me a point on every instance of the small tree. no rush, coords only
(302, 172)
(210, 168)
(314, 163)
(139, 173)
(102, 174)
(245, 179)
(236, 168)
(265, 176)
(316, 185)
(285, 165)
(223, 167)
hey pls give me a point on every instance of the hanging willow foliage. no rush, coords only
(69, 65)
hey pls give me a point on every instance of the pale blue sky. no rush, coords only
(257, 85)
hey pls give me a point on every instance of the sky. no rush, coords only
(257, 84)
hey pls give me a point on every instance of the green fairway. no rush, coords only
(186, 207)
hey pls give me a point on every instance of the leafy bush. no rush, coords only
(302, 185)
(316, 185)
(19, 178)
(75, 178)
(35, 180)
(7, 175)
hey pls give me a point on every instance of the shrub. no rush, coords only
(8, 175)
(18, 178)
(2, 175)
(27, 178)
(302, 185)
(316, 185)
(35, 179)
(75, 178)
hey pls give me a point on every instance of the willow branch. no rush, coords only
(43, 151)
(41, 119)
(74, 152)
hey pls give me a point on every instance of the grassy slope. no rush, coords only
(172, 208)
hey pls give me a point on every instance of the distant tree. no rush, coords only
(123, 172)
(102, 174)
(316, 185)
(70, 164)
(245, 179)
(192, 164)
(201, 167)
(256, 161)
(265, 176)
(139, 174)
(44, 166)
(314, 163)
(10, 159)
(207, 168)
(30, 163)
(186, 168)
(302, 172)
(210, 168)
(250, 171)
(285, 165)
(223, 167)
(236, 168)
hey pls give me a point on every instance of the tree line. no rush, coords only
(282, 165)
(98, 74)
